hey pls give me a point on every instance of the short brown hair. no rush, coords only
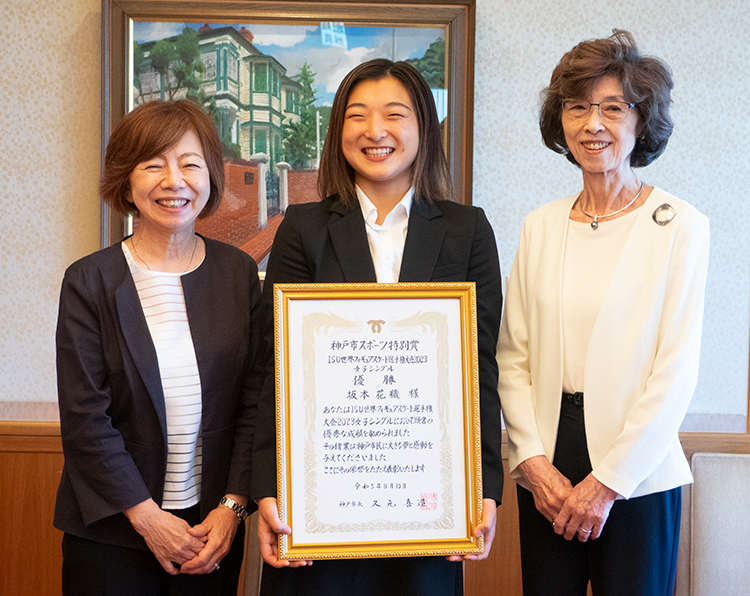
(431, 175)
(148, 131)
(646, 81)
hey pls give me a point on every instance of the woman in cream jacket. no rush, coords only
(598, 351)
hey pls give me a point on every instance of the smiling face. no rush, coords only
(600, 145)
(171, 189)
(380, 138)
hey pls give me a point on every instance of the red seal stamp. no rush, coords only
(428, 502)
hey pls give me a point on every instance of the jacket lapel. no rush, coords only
(196, 288)
(423, 241)
(346, 228)
(141, 348)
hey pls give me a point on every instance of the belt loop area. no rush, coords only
(575, 399)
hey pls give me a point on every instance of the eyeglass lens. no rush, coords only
(611, 110)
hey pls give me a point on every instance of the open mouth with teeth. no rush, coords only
(378, 151)
(595, 146)
(172, 203)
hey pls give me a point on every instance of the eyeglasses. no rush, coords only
(609, 110)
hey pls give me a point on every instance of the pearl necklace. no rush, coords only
(192, 254)
(595, 223)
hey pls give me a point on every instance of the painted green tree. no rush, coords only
(178, 62)
(300, 137)
(432, 65)
(138, 64)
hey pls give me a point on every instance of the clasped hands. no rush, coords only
(177, 546)
(582, 509)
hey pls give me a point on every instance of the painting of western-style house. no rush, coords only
(269, 91)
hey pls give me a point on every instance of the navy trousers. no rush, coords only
(636, 553)
(408, 576)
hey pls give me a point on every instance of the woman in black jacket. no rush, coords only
(386, 217)
(160, 358)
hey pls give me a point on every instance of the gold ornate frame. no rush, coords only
(298, 409)
(457, 17)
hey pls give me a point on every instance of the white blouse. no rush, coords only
(588, 266)
(163, 304)
(388, 239)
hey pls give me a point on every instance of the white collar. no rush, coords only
(370, 211)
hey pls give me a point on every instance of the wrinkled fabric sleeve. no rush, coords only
(484, 270)
(103, 474)
(260, 356)
(286, 264)
(514, 364)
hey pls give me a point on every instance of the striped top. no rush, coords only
(163, 304)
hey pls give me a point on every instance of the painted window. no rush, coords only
(261, 141)
(261, 77)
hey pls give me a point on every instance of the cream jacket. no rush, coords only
(642, 361)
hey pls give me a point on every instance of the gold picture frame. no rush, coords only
(378, 421)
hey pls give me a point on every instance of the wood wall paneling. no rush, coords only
(500, 573)
(31, 463)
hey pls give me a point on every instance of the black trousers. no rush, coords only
(409, 576)
(96, 569)
(636, 554)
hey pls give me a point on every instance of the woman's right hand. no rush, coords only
(269, 527)
(549, 487)
(166, 535)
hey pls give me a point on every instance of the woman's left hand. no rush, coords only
(486, 529)
(585, 510)
(217, 531)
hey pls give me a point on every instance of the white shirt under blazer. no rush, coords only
(642, 360)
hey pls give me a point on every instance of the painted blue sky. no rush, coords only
(293, 45)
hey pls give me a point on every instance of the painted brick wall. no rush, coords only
(236, 219)
(303, 186)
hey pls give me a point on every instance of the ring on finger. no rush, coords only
(584, 531)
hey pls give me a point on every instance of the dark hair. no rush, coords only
(430, 176)
(152, 129)
(646, 81)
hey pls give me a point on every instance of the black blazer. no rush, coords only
(112, 412)
(326, 242)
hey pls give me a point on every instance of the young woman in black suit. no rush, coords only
(386, 216)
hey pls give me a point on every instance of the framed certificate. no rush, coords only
(377, 413)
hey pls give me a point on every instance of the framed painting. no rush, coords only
(267, 73)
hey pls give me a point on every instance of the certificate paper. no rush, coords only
(377, 419)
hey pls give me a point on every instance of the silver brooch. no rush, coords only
(663, 214)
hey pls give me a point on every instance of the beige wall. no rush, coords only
(50, 155)
(50, 150)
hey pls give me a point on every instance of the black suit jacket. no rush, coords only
(112, 412)
(326, 242)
